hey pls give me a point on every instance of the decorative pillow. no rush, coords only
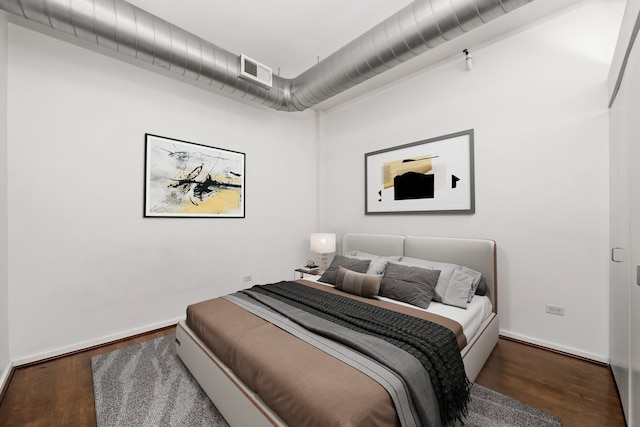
(475, 276)
(458, 290)
(446, 272)
(378, 263)
(481, 289)
(357, 265)
(364, 285)
(461, 278)
(413, 285)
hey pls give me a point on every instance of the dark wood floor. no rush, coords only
(60, 392)
(580, 392)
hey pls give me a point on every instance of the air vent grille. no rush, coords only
(253, 70)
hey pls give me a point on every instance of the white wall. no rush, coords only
(4, 284)
(538, 103)
(81, 258)
(84, 265)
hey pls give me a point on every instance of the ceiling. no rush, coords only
(290, 35)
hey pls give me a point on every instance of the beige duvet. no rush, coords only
(303, 385)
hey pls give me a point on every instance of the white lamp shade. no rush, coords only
(323, 243)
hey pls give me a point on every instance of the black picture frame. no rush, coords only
(188, 180)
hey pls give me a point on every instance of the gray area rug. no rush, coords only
(491, 409)
(147, 385)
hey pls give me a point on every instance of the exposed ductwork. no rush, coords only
(132, 32)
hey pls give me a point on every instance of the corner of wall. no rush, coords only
(320, 175)
(4, 278)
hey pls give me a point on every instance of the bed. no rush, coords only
(248, 394)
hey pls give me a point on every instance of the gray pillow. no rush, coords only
(413, 285)
(378, 262)
(476, 278)
(458, 290)
(482, 288)
(364, 285)
(357, 265)
(460, 277)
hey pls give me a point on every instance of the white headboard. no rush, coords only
(377, 244)
(477, 254)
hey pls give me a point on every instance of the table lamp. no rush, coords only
(323, 244)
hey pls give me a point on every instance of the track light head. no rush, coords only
(468, 59)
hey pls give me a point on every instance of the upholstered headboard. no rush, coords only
(377, 244)
(477, 254)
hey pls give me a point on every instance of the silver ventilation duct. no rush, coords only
(130, 31)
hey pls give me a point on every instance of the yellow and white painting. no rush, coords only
(184, 179)
(430, 176)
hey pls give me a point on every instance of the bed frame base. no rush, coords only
(242, 407)
(476, 353)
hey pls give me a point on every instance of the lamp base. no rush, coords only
(323, 263)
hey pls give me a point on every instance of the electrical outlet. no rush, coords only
(247, 278)
(554, 309)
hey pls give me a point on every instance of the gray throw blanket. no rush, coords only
(433, 345)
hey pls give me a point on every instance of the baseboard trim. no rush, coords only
(566, 351)
(93, 344)
(111, 339)
(5, 379)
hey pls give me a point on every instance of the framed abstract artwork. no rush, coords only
(431, 176)
(188, 180)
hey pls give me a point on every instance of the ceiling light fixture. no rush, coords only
(468, 59)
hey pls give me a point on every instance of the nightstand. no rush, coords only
(312, 275)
